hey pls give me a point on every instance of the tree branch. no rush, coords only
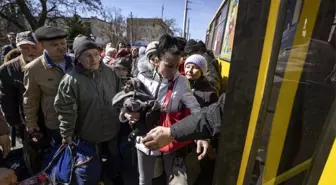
(14, 21)
(52, 9)
(26, 12)
(44, 12)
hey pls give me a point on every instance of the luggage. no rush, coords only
(76, 164)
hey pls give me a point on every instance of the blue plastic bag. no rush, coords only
(77, 164)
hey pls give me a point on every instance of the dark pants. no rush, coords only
(112, 167)
(55, 137)
(17, 131)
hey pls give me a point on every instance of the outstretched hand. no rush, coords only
(157, 138)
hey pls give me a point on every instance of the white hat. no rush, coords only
(151, 48)
(199, 61)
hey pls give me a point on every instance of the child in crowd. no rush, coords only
(123, 67)
(195, 67)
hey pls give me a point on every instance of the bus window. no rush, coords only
(219, 30)
(211, 30)
(229, 31)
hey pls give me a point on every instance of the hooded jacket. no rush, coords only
(84, 104)
(181, 92)
(143, 66)
(6, 49)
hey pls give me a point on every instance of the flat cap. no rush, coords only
(45, 33)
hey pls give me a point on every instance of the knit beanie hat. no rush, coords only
(81, 44)
(199, 61)
(142, 51)
(151, 48)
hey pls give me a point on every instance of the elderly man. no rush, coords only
(41, 79)
(11, 78)
(84, 105)
(9, 47)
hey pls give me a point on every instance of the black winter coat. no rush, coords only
(204, 92)
(204, 125)
(214, 74)
(12, 89)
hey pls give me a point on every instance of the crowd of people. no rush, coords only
(51, 97)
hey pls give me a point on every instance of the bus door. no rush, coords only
(280, 95)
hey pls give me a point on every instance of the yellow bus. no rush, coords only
(278, 59)
(220, 35)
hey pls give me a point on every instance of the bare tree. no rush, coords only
(172, 25)
(114, 26)
(37, 12)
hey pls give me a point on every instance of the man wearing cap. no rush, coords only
(9, 47)
(84, 105)
(11, 78)
(42, 77)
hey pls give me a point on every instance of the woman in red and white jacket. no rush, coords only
(175, 96)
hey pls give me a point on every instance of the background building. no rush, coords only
(146, 29)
